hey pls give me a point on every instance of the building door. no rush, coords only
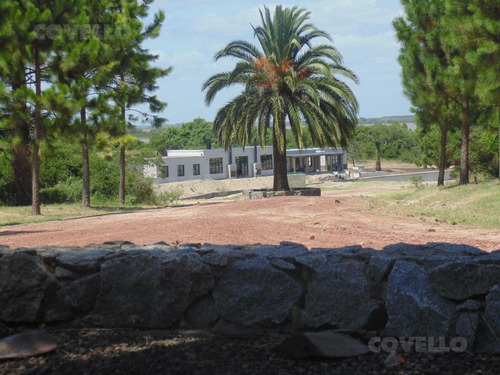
(242, 166)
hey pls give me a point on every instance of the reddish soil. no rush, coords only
(312, 221)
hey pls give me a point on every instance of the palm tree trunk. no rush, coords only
(37, 137)
(464, 154)
(442, 159)
(280, 182)
(85, 160)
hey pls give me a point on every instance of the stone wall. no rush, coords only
(433, 290)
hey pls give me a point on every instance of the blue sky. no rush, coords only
(195, 30)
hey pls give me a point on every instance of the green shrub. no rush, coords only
(72, 188)
(163, 199)
(52, 195)
(139, 188)
(416, 181)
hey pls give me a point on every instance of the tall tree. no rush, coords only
(288, 79)
(86, 64)
(32, 43)
(15, 113)
(425, 70)
(474, 30)
(134, 76)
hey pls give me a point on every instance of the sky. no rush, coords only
(194, 30)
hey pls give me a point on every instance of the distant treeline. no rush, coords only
(386, 120)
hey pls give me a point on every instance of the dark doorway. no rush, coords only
(242, 166)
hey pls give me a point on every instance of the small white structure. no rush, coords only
(252, 161)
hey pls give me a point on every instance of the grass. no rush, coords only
(476, 205)
(50, 212)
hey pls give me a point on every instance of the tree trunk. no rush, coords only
(121, 192)
(21, 165)
(442, 159)
(122, 175)
(499, 142)
(85, 159)
(21, 155)
(37, 137)
(378, 166)
(280, 182)
(464, 154)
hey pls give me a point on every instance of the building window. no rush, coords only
(164, 171)
(215, 165)
(266, 161)
(196, 169)
(180, 170)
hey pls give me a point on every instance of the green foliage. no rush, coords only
(396, 142)
(416, 181)
(62, 176)
(139, 189)
(450, 69)
(7, 185)
(190, 135)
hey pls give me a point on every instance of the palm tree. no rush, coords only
(288, 80)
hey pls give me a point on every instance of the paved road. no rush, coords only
(426, 176)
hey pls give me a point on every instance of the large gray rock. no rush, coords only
(85, 260)
(339, 294)
(461, 281)
(288, 250)
(148, 289)
(433, 252)
(491, 318)
(24, 280)
(413, 307)
(72, 299)
(466, 327)
(203, 314)
(253, 292)
(454, 249)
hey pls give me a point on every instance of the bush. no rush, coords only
(163, 199)
(7, 185)
(72, 188)
(416, 181)
(52, 195)
(139, 188)
(104, 178)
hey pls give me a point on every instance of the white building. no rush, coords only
(252, 161)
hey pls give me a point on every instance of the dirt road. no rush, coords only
(312, 221)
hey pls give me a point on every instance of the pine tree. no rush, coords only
(32, 43)
(474, 30)
(134, 76)
(86, 63)
(424, 70)
(15, 118)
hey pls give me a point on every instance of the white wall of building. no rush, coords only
(189, 158)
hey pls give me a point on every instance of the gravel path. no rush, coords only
(327, 221)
